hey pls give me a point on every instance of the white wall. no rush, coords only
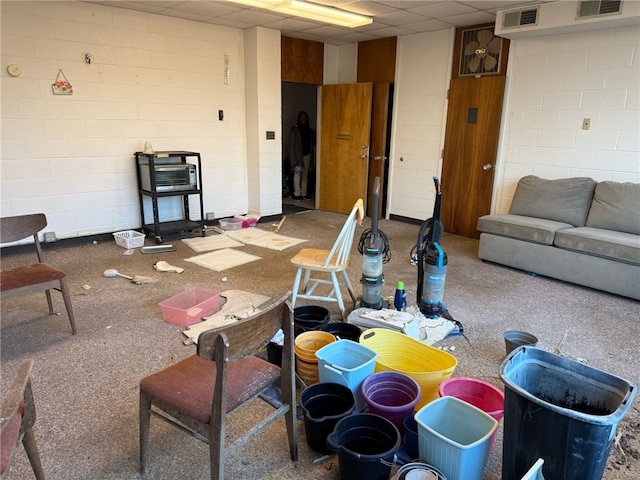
(423, 67)
(153, 78)
(264, 105)
(161, 79)
(553, 84)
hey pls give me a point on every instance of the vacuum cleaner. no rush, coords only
(374, 248)
(432, 266)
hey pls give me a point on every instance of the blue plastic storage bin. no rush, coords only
(348, 363)
(454, 436)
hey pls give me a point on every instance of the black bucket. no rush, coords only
(324, 404)
(274, 353)
(310, 317)
(366, 444)
(341, 330)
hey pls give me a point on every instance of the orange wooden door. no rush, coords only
(471, 143)
(344, 145)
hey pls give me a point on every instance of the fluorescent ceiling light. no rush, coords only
(312, 11)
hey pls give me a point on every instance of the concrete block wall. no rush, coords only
(554, 83)
(152, 78)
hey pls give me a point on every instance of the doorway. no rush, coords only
(296, 97)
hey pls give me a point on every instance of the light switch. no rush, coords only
(586, 124)
(220, 115)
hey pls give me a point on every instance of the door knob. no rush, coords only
(487, 166)
(379, 158)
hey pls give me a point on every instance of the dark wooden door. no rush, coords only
(378, 160)
(471, 142)
(472, 129)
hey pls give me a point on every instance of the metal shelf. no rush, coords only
(160, 228)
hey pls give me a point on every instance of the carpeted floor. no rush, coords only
(86, 386)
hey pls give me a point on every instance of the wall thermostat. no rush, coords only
(14, 70)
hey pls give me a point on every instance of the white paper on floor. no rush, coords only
(262, 238)
(411, 322)
(239, 304)
(213, 242)
(220, 260)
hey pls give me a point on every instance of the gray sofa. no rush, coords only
(573, 229)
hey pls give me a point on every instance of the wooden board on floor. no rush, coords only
(239, 304)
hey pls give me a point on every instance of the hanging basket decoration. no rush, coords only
(62, 85)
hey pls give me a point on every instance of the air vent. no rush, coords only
(520, 18)
(598, 8)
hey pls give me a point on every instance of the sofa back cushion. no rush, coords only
(563, 200)
(616, 206)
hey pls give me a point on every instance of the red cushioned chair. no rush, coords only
(35, 277)
(197, 394)
(18, 414)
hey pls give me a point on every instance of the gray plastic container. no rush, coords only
(562, 411)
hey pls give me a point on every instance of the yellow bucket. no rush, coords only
(398, 352)
(305, 346)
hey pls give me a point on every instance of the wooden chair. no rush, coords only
(18, 414)
(196, 394)
(35, 277)
(332, 261)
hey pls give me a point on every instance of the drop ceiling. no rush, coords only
(390, 17)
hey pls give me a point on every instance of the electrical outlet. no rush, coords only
(210, 216)
(586, 124)
(50, 237)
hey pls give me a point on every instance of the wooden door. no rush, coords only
(378, 160)
(344, 145)
(471, 142)
(473, 127)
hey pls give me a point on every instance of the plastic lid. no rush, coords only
(400, 286)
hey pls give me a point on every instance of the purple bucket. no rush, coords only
(392, 395)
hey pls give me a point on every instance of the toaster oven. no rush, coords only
(168, 177)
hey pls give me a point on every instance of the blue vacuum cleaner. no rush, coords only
(432, 266)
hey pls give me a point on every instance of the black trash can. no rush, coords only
(562, 411)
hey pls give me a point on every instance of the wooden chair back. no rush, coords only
(13, 229)
(341, 250)
(17, 417)
(37, 277)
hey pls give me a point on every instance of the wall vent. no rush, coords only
(520, 18)
(598, 8)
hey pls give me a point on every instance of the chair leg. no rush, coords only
(64, 288)
(49, 302)
(145, 419)
(338, 292)
(216, 457)
(288, 387)
(296, 287)
(349, 287)
(29, 442)
(307, 277)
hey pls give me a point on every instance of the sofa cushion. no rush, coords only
(620, 246)
(565, 200)
(616, 206)
(530, 229)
